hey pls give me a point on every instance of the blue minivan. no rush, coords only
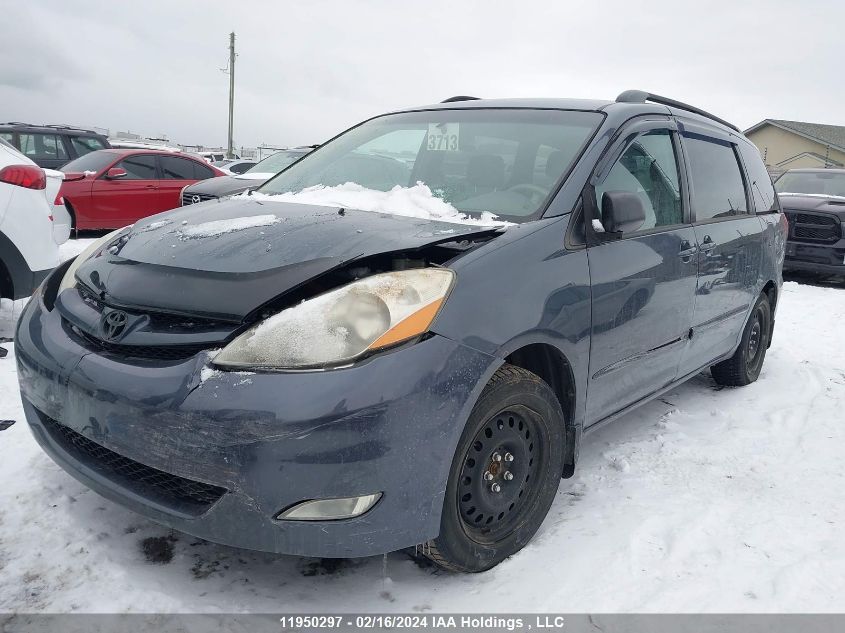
(399, 340)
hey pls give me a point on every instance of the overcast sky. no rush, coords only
(308, 69)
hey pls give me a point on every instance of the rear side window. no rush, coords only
(141, 167)
(43, 146)
(201, 172)
(718, 189)
(8, 137)
(175, 168)
(648, 167)
(86, 144)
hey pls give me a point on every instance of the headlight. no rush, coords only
(341, 325)
(69, 280)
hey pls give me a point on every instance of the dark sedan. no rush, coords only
(814, 203)
(215, 188)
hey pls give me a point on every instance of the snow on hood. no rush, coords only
(254, 176)
(221, 227)
(412, 202)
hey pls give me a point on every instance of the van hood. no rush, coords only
(224, 259)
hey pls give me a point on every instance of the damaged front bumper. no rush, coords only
(220, 454)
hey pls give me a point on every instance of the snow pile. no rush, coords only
(413, 202)
(220, 227)
(705, 500)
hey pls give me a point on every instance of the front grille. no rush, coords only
(159, 322)
(149, 352)
(193, 497)
(812, 227)
(194, 198)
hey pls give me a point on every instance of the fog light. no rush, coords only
(329, 509)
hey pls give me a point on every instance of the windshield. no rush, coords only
(504, 162)
(275, 163)
(94, 161)
(825, 183)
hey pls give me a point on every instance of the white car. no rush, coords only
(213, 157)
(62, 222)
(235, 166)
(29, 246)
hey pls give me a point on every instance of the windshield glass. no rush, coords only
(467, 163)
(275, 163)
(94, 161)
(825, 183)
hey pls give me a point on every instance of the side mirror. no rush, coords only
(622, 212)
(115, 172)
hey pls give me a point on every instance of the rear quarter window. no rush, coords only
(762, 189)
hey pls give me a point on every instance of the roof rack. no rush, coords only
(640, 96)
(460, 98)
(60, 126)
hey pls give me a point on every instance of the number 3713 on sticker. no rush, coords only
(443, 137)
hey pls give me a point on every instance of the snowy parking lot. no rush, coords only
(705, 500)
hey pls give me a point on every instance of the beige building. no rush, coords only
(794, 144)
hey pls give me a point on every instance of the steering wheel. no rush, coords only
(535, 193)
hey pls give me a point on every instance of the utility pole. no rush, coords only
(229, 152)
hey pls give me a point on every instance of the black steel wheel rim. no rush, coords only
(500, 475)
(756, 336)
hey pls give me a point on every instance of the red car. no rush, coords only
(112, 188)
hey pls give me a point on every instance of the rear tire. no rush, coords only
(73, 230)
(504, 475)
(744, 366)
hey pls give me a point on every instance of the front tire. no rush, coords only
(504, 475)
(744, 366)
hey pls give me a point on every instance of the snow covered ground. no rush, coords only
(715, 500)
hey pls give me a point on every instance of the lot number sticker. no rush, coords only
(443, 137)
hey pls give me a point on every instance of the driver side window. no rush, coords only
(648, 167)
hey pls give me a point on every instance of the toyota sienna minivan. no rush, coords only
(400, 339)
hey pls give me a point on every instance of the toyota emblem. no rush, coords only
(195, 199)
(114, 324)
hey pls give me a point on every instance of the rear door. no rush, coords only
(121, 201)
(176, 174)
(643, 283)
(729, 240)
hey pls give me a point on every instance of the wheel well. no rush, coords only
(771, 291)
(72, 213)
(549, 363)
(7, 288)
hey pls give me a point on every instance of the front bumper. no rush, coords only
(268, 441)
(826, 259)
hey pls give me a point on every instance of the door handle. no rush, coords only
(707, 245)
(687, 249)
(151, 187)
